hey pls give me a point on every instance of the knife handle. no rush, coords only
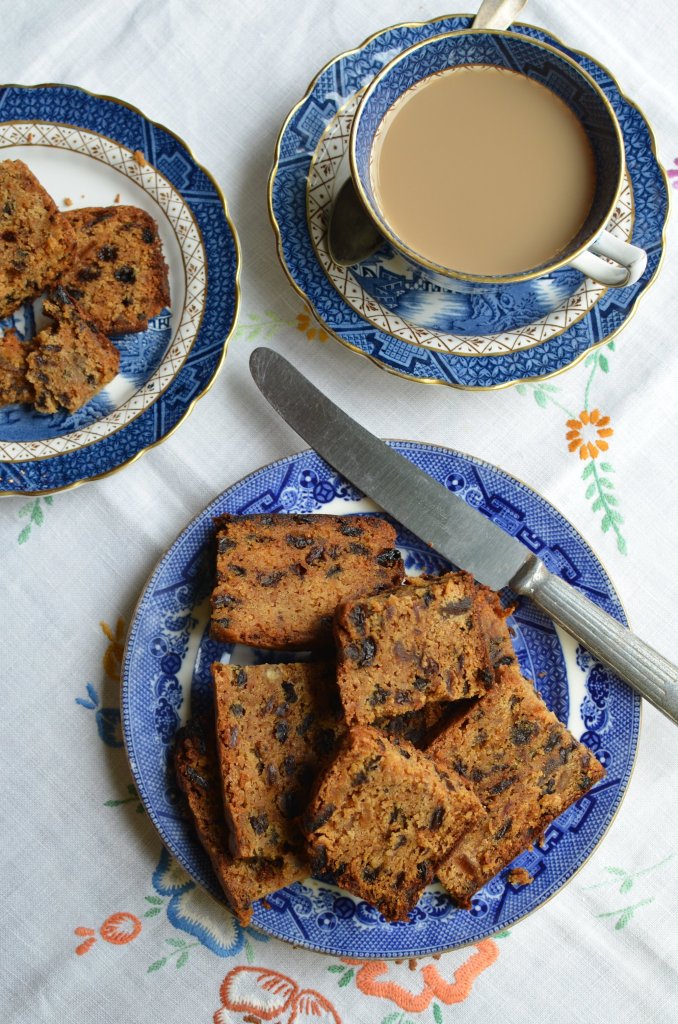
(643, 668)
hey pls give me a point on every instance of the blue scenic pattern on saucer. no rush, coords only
(166, 678)
(164, 369)
(405, 293)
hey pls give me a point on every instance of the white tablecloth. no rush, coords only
(86, 933)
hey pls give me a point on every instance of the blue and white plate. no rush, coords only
(166, 678)
(91, 150)
(391, 313)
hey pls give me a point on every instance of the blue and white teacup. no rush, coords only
(525, 292)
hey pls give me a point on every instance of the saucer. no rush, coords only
(166, 678)
(89, 150)
(389, 312)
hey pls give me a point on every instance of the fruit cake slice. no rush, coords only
(243, 881)
(526, 769)
(280, 577)
(118, 275)
(36, 241)
(399, 650)
(382, 818)
(277, 727)
(14, 386)
(71, 359)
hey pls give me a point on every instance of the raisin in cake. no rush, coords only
(280, 577)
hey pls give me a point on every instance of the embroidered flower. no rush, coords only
(118, 929)
(304, 324)
(588, 434)
(269, 996)
(413, 988)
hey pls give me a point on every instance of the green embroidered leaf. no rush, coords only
(549, 387)
(604, 482)
(153, 912)
(37, 515)
(624, 919)
(183, 959)
(590, 491)
(393, 1018)
(615, 871)
(607, 467)
(153, 899)
(157, 964)
(26, 510)
(177, 943)
(611, 346)
(437, 1014)
(336, 969)
(131, 790)
(502, 935)
(590, 359)
(25, 534)
(626, 885)
(521, 389)
(611, 499)
(540, 398)
(621, 545)
(249, 952)
(345, 978)
(113, 803)
(597, 505)
(48, 499)
(603, 363)
(588, 469)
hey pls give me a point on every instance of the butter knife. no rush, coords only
(456, 530)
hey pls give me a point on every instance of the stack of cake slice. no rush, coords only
(414, 749)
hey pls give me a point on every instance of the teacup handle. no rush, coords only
(631, 261)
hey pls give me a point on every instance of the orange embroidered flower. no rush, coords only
(117, 929)
(385, 979)
(588, 434)
(304, 324)
(265, 995)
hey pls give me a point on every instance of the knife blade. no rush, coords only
(459, 532)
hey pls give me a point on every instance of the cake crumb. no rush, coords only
(412, 963)
(520, 876)
(117, 198)
(29, 137)
(139, 158)
(68, 201)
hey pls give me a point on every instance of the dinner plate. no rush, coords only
(389, 312)
(89, 150)
(166, 677)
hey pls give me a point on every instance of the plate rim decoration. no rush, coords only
(13, 470)
(148, 751)
(377, 359)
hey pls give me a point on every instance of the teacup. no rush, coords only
(548, 67)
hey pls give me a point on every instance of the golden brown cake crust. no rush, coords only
(280, 577)
(399, 650)
(13, 384)
(526, 769)
(243, 881)
(382, 818)
(36, 241)
(71, 359)
(277, 727)
(119, 275)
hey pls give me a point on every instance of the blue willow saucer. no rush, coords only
(392, 314)
(89, 150)
(166, 677)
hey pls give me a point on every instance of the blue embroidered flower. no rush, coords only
(107, 719)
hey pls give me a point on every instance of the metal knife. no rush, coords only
(456, 530)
